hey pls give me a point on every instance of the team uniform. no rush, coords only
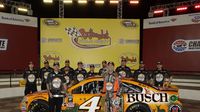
(55, 82)
(71, 70)
(141, 76)
(102, 71)
(80, 75)
(91, 74)
(44, 72)
(68, 77)
(124, 71)
(159, 77)
(31, 78)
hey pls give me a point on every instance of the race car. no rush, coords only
(82, 97)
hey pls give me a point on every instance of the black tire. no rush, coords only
(38, 106)
(138, 107)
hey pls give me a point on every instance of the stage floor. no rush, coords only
(12, 105)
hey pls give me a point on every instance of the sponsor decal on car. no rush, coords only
(147, 98)
(175, 108)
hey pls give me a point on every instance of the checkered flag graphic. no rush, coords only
(72, 32)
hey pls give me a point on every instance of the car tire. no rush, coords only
(138, 107)
(39, 106)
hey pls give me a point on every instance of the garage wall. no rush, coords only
(22, 44)
(173, 40)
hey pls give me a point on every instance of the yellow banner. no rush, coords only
(90, 41)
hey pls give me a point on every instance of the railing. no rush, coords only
(7, 76)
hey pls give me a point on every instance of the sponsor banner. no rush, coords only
(90, 41)
(18, 20)
(3, 44)
(185, 19)
(181, 45)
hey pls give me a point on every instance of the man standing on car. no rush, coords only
(44, 72)
(80, 73)
(159, 75)
(141, 74)
(56, 86)
(103, 69)
(30, 75)
(111, 87)
(123, 70)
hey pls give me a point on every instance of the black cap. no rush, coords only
(67, 61)
(80, 62)
(111, 63)
(104, 61)
(92, 65)
(46, 62)
(56, 63)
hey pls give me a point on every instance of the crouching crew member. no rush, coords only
(30, 75)
(111, 87)
(141, 74)
(56, 86)
(44, 72)
(80, 73)
(160, 75)
(123, 70)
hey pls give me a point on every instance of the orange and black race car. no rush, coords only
(136, 97)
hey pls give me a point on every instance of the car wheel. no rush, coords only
(138, 107)
(39, 106)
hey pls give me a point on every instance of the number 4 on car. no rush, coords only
(87, 96)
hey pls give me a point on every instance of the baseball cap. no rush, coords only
(80, 62)
(104, 61)
(92, 65)
(56, 63)
(67, 61)
(46, 62)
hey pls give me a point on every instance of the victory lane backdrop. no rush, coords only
(90, 41)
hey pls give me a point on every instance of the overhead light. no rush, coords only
(2, 6)
(99, 1)
(22, 9)
(183, 8)
(134, 1)
(48, 1)
(114, 1)
(158, 11)
(67, 1)
(82, 1)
